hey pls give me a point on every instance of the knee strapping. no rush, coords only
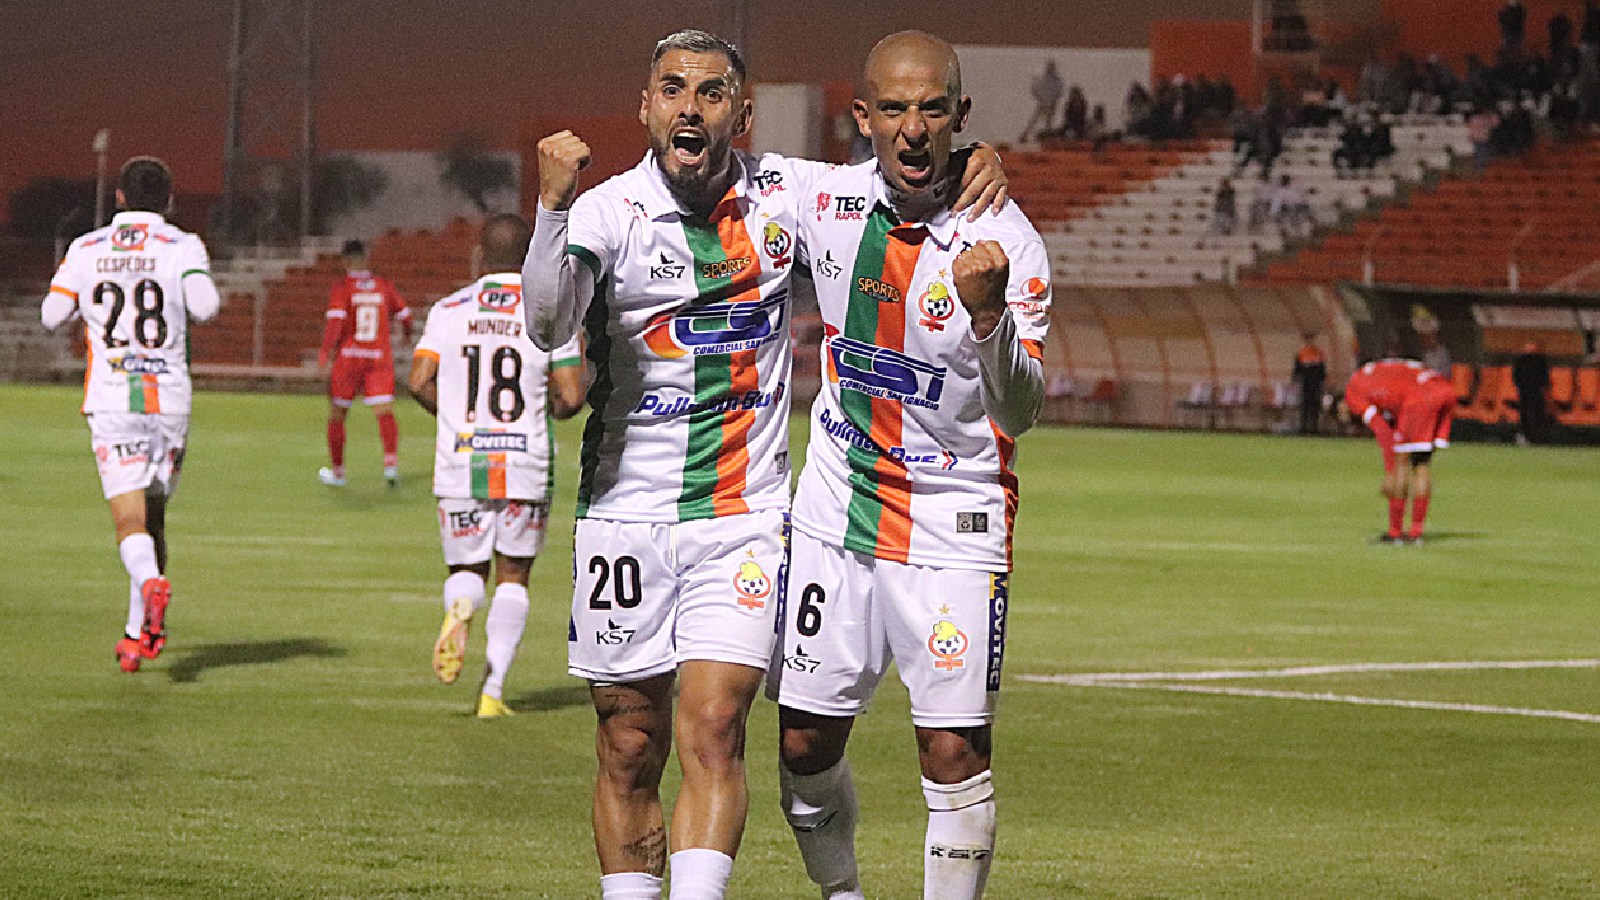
(962, 794)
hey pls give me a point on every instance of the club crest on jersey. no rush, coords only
(715, 327)
(936, 305)
(887, 374)
(490, 442)
(776, 241)
(496, 297)
(947, 643)
(752, 584)
(129, 238)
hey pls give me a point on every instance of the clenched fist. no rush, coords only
(980, 274)
(561, 157)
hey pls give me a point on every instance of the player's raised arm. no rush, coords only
(1013, 376)
(557, 278)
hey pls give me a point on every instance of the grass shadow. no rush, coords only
(546, 699)
(1437, 537)
(247, 653)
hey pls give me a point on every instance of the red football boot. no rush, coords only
(157, 593)
(130, 652)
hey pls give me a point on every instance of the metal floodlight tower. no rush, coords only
(271, 137)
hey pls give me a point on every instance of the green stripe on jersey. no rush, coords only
(480, 476)
(587, 257)
(713, 379)
(861, 324)
(135, 394)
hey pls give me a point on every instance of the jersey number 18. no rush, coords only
(506, 403)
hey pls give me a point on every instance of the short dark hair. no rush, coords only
(504, 241)
(146, 185)
(693, 40)
(355, 248)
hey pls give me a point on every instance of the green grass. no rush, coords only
(291, 742)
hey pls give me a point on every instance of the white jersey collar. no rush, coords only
(137, 217)
(944, 226)
(658, 200)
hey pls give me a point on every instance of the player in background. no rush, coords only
(678, 271)
(1408, 407)
(356, 340)
(135, 284)
(493, 393)
(903, 516)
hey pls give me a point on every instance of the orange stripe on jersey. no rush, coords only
(733, 462)
(58, 289)
(894, 482)
(425, 354)
(1007, 448)
(497, 476)
(152, 393)
(88, 366)
(1035, 349)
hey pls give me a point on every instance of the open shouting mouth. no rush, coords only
(689, 147)
(916, 166)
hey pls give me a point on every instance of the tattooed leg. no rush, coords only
(632, 739)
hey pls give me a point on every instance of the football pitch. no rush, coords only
(1215, 685)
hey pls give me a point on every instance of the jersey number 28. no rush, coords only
(149, 326)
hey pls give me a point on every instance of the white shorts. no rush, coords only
(138, 451)
(648, 597)
(847, 614)
(473, 530)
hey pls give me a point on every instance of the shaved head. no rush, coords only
(905, 49)
(505, 242)
(909, 103)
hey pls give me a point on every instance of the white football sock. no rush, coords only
(463, 584)
(630, 886)
(138, 552)
(135, 610)
(699, 874)
(508, 614)
(960, 838)
(821, 810)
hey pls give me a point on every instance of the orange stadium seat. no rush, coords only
(1461, 378)
(1561, 387)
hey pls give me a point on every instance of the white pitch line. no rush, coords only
(1362, 701)
(1093, 678)
(1160, 681)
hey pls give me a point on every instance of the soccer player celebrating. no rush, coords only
(492, 391)
(359, 308)
(904, 513)
(678, 270)
(1408, 407)
(135, 284)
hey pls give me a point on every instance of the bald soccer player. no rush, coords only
(904, 514)
(678, 273)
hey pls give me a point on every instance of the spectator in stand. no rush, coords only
(1291, 210)
(1261, 202)
(1565, 111)
(1047, 88)
(1530, 372)
(1590, 36)
(1310, 374)
(1224, 209)
(1075, 124)
(1513, 24)
(1364, 143)
(1515, 132)
(1559, 28)
(1098, 131)
(1136, 110)
(1480, 125)
(1242, 124)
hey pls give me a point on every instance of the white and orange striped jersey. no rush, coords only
(688, 327)
(910, 456)
(494, 438)
(136, 283)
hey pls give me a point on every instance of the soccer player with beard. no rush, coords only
(678, 270)
(904, 514)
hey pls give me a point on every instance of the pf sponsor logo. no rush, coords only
(947, 643)
(752, 584)
(129, 238)
(887, 374)
(614, 635)
(715, 327)
(936, 306)
(495, 297)
(777, 242)
(801, 661)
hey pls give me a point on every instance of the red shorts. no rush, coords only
(373, 378)
(1424, 423)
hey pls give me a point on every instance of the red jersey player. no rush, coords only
(1408, 407)
(359, 308)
